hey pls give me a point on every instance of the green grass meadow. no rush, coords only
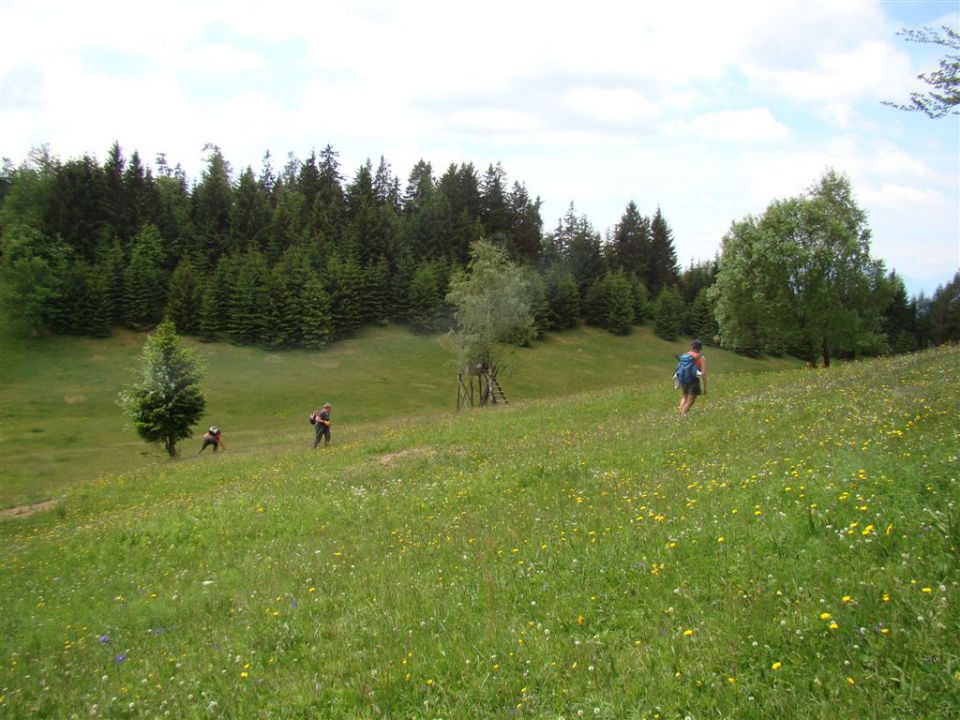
(60, 423)
(788, 550)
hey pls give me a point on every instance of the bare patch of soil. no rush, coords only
(413, 452)
(26, 510)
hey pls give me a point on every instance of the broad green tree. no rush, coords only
(491, 307)
(31, 275)
(801, 277)
(944, 95)
(167, 401)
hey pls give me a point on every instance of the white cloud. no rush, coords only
(755, 126)
(710, 110)
(492, 120)
(620, 105)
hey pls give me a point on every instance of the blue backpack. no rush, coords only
(686, 369)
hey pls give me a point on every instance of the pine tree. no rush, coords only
(74, 211)
(184, 298)
(168, 399)
(563, 297)
(526, 225)
(426, 298)
(144, 281)
(216, 299)
(595, 303)
(83, 307)
(284, 326)
(641, 301)
(702, 321)
(494, 206)
(111, 263)
(212, 206)
(620, 302)
(668, 314)
(663, 271)
(316, 322)
(329, 207)
(342, 283)
(248, 312)
(251, 214)
(631, 246)
(376, 292)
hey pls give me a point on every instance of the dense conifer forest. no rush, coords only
(300, 255)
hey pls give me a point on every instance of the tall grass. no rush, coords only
(60, 424)
(788, 550)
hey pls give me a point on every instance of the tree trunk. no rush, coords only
(171, 447)
(826, 353)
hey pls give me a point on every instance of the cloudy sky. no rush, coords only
(709, 110)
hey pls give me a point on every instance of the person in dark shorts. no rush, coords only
(320, 419)
(699, 385)
(214, 437)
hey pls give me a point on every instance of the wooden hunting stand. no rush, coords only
(488, 389)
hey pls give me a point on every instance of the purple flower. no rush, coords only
(104, 639)
(120, 658)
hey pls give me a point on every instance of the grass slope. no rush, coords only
(60, 424)
(789, 550)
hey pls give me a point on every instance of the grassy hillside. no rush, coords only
(59, 422)
(788, 550)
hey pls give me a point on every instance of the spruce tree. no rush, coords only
(284, 324)
(631, 245)
(83, 307)
(563, 297)
(144, 281)
(184, 297)
(216, 300)
(702, 321)
(668, 314)
(595, 303)
(168, 400)
(662, 271)
(426, 298)
(620, 302)
(342, 283)
(248, 309)
(316, 322)
(641, 301)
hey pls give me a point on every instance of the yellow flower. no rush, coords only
(825, 616)
(845, 599)
(850, 680)
(927, 590)
(687, 633)
(834, 626)
(777, 665)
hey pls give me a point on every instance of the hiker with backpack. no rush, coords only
(691, 376)
(214, 437)
(320, 419)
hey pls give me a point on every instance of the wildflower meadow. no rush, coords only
(788, 550)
